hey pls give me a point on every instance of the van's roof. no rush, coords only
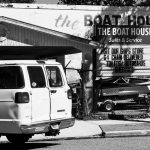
(28, 62)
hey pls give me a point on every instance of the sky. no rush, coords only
(47, 1)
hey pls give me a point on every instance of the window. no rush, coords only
(37, 79)
(54, 76)
(11, 77)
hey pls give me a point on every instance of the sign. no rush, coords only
(124, 40)
(131, 60)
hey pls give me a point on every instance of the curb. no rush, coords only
(136, 120)
(127, 133)
(69, 138)
(111, 134)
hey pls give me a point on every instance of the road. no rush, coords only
(122, 143)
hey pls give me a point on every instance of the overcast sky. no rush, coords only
(47, 1)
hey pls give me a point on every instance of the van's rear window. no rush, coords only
(11, 77)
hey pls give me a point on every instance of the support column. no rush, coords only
(94, 56)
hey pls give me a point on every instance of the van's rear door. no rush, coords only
(60, 104)
(12, 91)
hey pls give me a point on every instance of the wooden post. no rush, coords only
(84, 102)
(94, 56)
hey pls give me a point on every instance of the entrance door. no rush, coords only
(60, 104)
(40, 94)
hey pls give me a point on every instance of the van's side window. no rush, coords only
(11, 77)
(36, 75)
(54, 76)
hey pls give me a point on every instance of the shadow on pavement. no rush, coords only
(26, 146)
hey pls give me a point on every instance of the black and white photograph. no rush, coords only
(74, 74)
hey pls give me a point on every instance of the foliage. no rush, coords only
(106, 2)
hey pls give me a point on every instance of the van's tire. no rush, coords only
(108, 106)
(17, 138)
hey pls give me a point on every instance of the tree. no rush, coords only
(106, 2)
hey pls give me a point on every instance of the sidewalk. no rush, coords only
(96, 129)
(81, 129)
(118, 128)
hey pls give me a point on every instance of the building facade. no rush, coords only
(103, 42)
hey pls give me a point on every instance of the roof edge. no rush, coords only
(47, 31)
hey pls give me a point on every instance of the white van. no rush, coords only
(34, 98)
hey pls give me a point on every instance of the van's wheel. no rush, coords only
(14, 138)
(108, 106)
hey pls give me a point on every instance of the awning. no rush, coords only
(34, 52)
